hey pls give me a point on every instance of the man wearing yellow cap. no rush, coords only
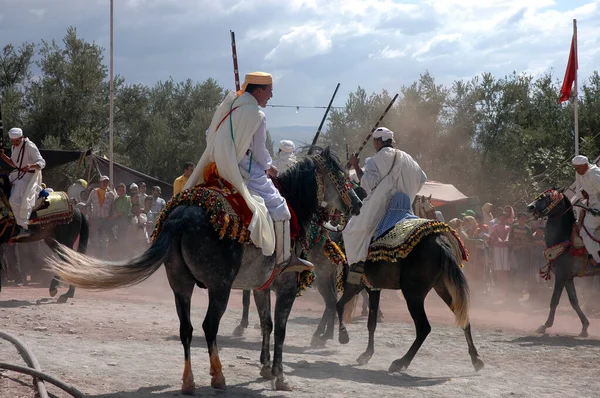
(236, 143)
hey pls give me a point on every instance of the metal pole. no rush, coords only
(112, 93)
(236, 73)
(575, 100)
(314, 141)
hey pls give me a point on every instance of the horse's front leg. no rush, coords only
(350, 290)
(326, 284)
(559, 283)
(262, 299)
(286, 295)
(374, 296)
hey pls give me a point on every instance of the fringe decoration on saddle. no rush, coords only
(305, 280)
(222, 216)
(392, 254)
(546, 271)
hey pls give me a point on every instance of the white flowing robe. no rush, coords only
(383, 177)
(26, 189)
(590, 182)
(226, 149)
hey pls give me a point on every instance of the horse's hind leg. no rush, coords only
(570, 286)
(239, 330)
(262, 299)
(416, 307)
(53, 289)
(374, 296)
(286, 295)
(444, 294)
(217, 304)
(559, 284)
(182, 283)
(350, 290)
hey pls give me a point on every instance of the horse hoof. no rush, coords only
(317, 342)
(218, 382)
(583, 333)
(398, 366)
(266, 372)
(62, 299)
(239, 331)
(344, 338)
(53, 292)
(282, 385)
(541, 329)
(364, 358)
(188, 388)
(478, 364)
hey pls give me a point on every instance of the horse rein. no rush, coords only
(325, 216)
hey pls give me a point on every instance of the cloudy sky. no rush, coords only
(311, 45)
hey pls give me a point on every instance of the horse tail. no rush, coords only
(92, 273)
(84, 234)
(455, 281)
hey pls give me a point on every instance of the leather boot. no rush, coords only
(287, 261)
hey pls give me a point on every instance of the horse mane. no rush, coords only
(569, 215)
(298, 186)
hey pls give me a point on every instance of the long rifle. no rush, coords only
(236, 73)
(376, 125)
(314, 141)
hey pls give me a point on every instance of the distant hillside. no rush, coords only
(301, 135)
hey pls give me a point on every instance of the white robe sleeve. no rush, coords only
(260, 154)
(371, 176)
(594, 180)
(34, 155)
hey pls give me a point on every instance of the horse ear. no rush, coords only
(430, 195)
(561, 189)
(326, 151)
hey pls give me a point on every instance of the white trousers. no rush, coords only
(591, 223)
(16, 199)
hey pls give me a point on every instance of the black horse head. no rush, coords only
(548, 203)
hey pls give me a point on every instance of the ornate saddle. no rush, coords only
(399, 241)
(55, 208)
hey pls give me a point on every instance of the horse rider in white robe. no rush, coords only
(588, 178)
(236, 142)
(26, 180)
(386, 173)
(285, 156)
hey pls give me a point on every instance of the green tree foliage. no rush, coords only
(500, 138)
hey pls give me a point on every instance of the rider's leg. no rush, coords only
(15, 200)
(590, 224)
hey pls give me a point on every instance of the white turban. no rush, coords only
(15, 133)
(383, 133)
(580, 160)
(133, 185)
(287, 146)
(104, 178)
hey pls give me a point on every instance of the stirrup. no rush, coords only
(21, 233)
(356, 273)
(295, 264)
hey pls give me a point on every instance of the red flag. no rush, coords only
(565, 91)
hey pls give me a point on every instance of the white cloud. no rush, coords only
(299, 43)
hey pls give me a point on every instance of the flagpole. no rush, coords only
(111, 100)
(575, 100)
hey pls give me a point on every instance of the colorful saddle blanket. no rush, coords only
(399, 241)
(56, 208)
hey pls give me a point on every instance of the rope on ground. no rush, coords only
(34, 369)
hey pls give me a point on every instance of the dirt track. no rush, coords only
(125, 344)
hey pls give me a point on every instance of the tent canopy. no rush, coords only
(441, 193)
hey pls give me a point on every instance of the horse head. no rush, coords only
(334, 191)
(424, 208)
(548, 204)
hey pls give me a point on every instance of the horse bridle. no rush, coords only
(342, 190)
(556, 197)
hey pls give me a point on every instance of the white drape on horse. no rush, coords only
(400, 175)
(226, 149)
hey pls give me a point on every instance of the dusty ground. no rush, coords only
(125, 344)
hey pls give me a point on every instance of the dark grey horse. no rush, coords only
(193, 255)
(433, 263)
(556, 207)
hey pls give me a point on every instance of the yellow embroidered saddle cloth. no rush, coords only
(57, 208)
(399, 241)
